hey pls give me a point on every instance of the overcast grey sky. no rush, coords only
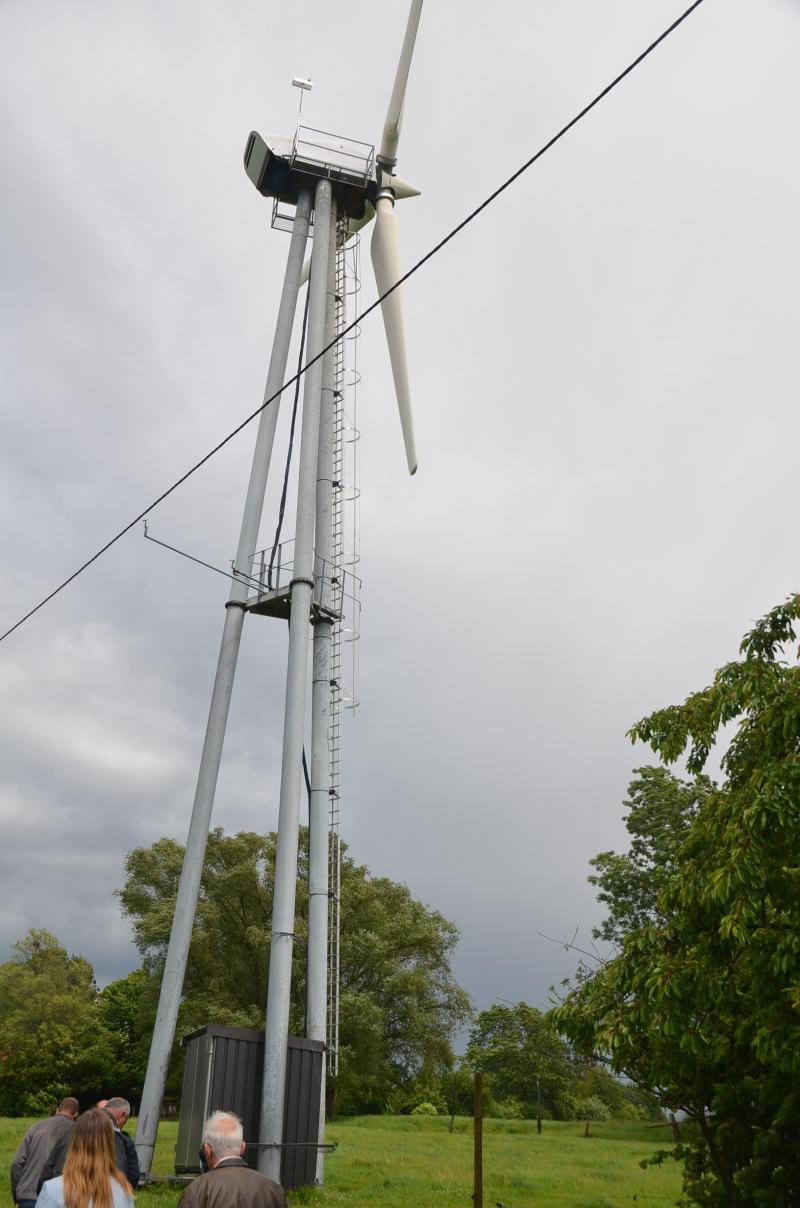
(604, 373)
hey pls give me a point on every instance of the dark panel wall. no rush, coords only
(224, 1071)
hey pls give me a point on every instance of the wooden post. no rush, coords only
(477, 1128)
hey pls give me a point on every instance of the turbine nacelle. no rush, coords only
(278, 168)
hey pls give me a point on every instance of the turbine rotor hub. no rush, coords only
(385, 191)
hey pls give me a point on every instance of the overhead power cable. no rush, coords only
(285, 490)
(359, 318)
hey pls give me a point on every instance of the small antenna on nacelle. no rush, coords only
(304, 86)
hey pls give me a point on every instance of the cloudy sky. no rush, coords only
(604, 371)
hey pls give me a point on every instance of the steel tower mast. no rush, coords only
(346, 180)
(189, 886)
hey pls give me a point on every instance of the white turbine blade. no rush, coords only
(394, 114)
(386, 263)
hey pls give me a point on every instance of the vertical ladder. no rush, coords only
(335, 715)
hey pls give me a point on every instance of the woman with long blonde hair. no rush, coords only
(90, 1178)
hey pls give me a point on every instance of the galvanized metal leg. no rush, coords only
(319, 808)
(283, 910)
(186, 904)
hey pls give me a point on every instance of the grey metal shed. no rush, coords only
(224, 1070)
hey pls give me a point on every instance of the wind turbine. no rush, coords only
(333, 185)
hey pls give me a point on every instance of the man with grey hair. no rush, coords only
(229, 1181)
(125, 1155)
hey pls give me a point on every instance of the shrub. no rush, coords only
(592, 1108)
(424, 1109)
(564, 1106)
(505, 1109)
(43, 1102)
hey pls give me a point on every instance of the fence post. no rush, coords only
(477, 1129)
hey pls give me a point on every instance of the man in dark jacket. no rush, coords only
(36, 1150)
(127, 1158)
(125, 1155)
(229, 1183)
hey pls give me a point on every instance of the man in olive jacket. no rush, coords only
(229, 1182)
(36, 1151)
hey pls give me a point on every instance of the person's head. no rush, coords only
(119, 1109)
(68, 1107)
(222, 1137)
(90, 1166)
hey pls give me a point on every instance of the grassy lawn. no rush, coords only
(400, 1161)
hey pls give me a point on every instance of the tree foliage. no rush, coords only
(702, 1000)
(660, 811)
(523, 1057)
(400, 1004)
(125, 1009)
(50, 1044)
(529, 1070)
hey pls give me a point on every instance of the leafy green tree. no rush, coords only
(702, 1000)
(458, 1090)
(126, 1009)
(524, 1058)
(50, 1041)
(592, 1108)
(400, 1004)
(660, 811)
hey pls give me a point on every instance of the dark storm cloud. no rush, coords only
(603, 377)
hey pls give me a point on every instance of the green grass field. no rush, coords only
(400, 1161)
